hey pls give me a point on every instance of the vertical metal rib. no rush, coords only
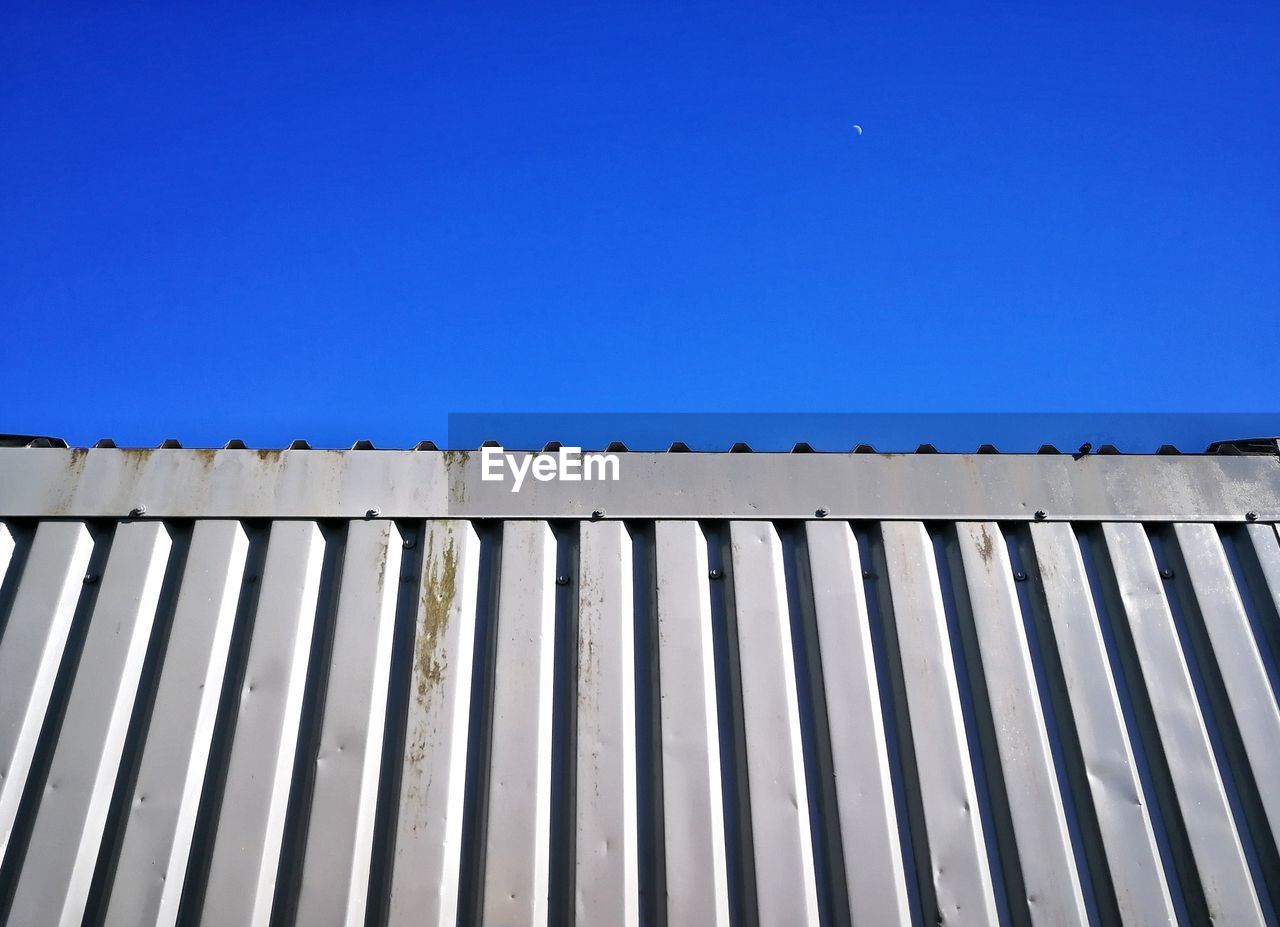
(517, 863)
(693, 821)
(1053, 892)
(247, 844)
(428, 845)
(1124, 821)
(15, 550)
(735, 786)
(1255, 551)
(651, 849)
(1254, 555)
(1237, 677)
(912, 834)
(786, 888)
(960, 869)
(69, 825)
(31, 652)
(874, 871)
(335, 873)
(8, 544)
(606, 879)
(166, 796)
(562, 875)
(1266, 548)
(1215, 844)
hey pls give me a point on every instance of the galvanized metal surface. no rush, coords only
(176, 483)
(447, 720)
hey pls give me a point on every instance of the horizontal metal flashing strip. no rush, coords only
(174, 483)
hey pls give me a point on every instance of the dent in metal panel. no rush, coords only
(874, 873)
(606, 843)
(786, 887)
(1253, 704)
(961, 873)
(425, 873)
(335, 874)
(1215, 844)
(1133, 857)
(31, 652)
(162, 810)
(60, 859)
(1048, 865)
(246, 850)
(517, 855)
(693, 811)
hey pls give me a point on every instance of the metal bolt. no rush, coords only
(714, 574)
(409, 542)
(597, 514)
(868, 574)
(90, 578)
(373, 513)
(822, 513)
(1019, 576)
(562, 580)
(407, 578)
(1250, 516)
(138, 511)
(1166, 573)
(1041, 514)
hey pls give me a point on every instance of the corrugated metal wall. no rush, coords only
(652, 722)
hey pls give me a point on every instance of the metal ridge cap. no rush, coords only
(182, 483)
(1256, 447)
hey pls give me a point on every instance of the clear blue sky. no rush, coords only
(268, 222)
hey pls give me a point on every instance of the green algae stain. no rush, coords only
(455, 466)
(439, 591)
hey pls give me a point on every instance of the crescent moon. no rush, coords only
(858, 129)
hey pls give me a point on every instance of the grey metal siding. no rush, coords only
(638, 721)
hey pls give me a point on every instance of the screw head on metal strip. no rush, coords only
(822, 512)
(409, 542)
(562, 580)
(1019, 576)
(138, 511)
(597, 514)
(714, 574)
(1250, 516)
(373, 513)
(1041, 514)
(1166, 573)
(90, 578)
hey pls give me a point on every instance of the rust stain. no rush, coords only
(75, 464)
(69, 486)
(986, 547)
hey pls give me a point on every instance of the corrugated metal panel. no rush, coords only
(639, 721)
